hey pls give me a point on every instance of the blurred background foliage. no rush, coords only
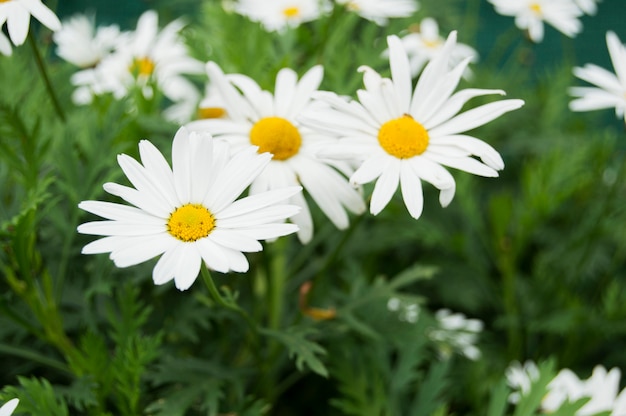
(539, 254)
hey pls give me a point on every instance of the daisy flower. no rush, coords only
(531, 14)
(277, 15)
(380, 11)
(5, 45)
(457, 332)
(401, 138)
(149, 57)
(423, 45)
(271, 122)
(520, 378)
(9, 407)
(16, 13)
(610, 89)
(80, 43)
(188, 213)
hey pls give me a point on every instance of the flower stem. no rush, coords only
(46, 79)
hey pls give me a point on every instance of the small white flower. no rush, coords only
(531, 14)
(189, 212)
(5, 45)
(458, 332)
(80, 43)
(277, 15)
(9, 407)
(610, 89)
(149, 56)
(271, 121)
(421, 47)
(380, 11)
(403, 137)
(16, 13)
(520, 379)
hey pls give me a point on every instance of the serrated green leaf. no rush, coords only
(306, 352)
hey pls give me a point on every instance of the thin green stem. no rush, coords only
(44, 74)
(277, 277)
(34, 357)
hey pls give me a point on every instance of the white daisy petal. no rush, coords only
(385, 187)
(141, 248)
(411, 188)
(188, 266)
(235, 240)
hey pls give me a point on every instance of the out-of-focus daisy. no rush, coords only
(531, 14)
(456, 332)
(149, 57)
(80, 43)
(402, 138)
(423, 45)
(9, 407)
(380, 11)
(408, 310)
(520, 378)
(610, 89)
(212, 104)
(5, 45)
(277, 15)
(588, 6)
(271, 122)
(189, 212)
(16, 13)
(601, 389)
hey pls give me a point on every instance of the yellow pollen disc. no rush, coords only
(276, 136)
(142, 66)
(211, 112)
(190, 222)
(353, 6)
(403, 137)
(536, 8)
(291, 12)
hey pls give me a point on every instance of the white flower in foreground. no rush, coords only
(277, 15)
(530, 15)
(270, 121)
(79, 41)
(188, 212)
(421, 47)
(403, 137)
(380, 11)
(457, 332)
(520, 379)
(16, 13)
(601, 389)
(149, 57)
(610, 90)
(588, 6)
(5, 45)
(9, 407)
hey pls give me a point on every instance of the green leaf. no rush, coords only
(306, 352)
(498, 399)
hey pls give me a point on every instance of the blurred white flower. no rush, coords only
(188, 213)
(16, 14)
(380, 11)
(531, 14)
(457, 332)
(149, 57)
(520, 379)
(271, 121)
(422, 46)
(5, 45)
(9, 407)
(79, 41)
(408, 311)
(402, 135)
(610, 88)
(277, 15)
(588, 6)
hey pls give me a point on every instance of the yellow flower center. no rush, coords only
(536, 8)
(276, 136)
(191, 222)
(403, 137)
(142, 66)
(353, 6)
(291, 12)
(211, 112)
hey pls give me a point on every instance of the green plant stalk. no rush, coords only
(277, 278)
(44, 74)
